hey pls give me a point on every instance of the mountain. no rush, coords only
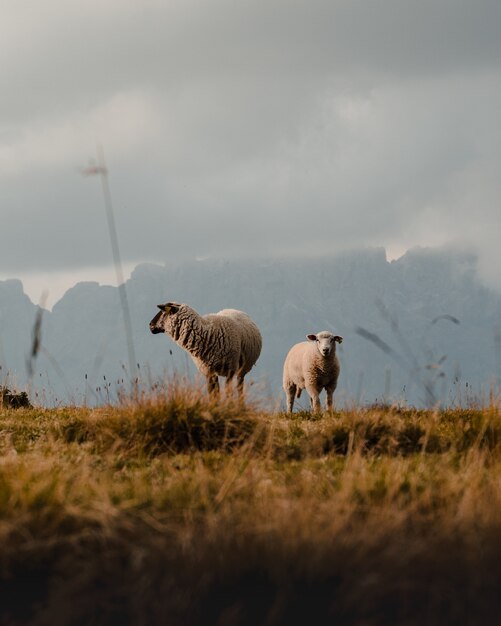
(17, 319)
(420, 329)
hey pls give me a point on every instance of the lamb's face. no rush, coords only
(326, 342)
(162, 321)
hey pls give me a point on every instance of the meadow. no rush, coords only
(172, 508)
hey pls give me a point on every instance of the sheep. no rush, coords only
(312, 365)
(225, 344)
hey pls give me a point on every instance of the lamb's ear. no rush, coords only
(311, 337)
(338, 339)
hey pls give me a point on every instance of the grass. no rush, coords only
(176, 509)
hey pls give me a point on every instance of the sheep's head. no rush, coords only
(326, 342)
(161, 322)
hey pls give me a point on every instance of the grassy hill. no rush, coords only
(175, 509)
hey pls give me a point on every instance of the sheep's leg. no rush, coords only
(213, 384)
(290, 393)
(228, 387)
(240, 385)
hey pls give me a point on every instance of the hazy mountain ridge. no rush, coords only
(401, 302)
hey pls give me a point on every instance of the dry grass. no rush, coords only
(180, 510)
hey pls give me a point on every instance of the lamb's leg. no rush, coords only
(290, 393)
(213, 384)
(328, 398)
(314, 399)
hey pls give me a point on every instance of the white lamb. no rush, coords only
(226, 344)
(312, 365)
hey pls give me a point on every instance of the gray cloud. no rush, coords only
(250, 127)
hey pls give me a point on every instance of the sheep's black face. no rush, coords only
(158, 323)
(155, 325)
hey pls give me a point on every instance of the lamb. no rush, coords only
(225, 344)
(312, 365)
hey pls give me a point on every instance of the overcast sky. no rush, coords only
(250, 127)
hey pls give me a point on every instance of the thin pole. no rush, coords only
(103, 172)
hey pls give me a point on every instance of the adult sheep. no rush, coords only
(312, 365)
(226, 344)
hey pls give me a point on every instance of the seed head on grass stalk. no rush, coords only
(405, 357)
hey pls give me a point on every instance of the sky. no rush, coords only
(257, 127)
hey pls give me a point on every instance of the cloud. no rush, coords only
(248, 128)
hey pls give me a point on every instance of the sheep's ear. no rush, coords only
(338, 339)
(311, 337)
(170, 307)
